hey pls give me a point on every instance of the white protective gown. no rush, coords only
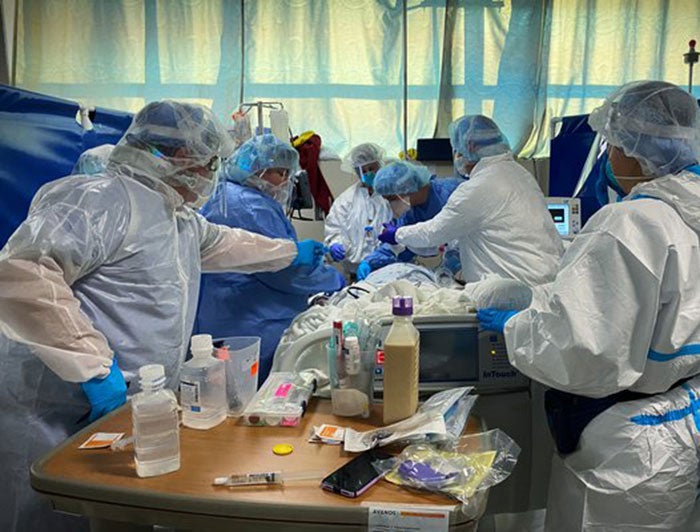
(350, 213)
(94, 160)
(501, 221)
(103, 264)
(624, 313)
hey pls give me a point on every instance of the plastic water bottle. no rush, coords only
(203, 386)
(155, 425)
(369, 237)
(444, 276)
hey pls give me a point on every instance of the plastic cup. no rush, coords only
(242, 357)
(352, 393)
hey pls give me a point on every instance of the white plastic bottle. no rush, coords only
(401, 363)
(203, 386)
(155, 425)
(369, 236)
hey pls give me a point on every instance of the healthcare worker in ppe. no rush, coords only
(93, 161)
(357, 215)
(619, 327)
(255, 196)
(414, 196)
(499, 216)
(103, 277)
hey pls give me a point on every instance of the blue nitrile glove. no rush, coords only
(363, 270)
(451, 261)
(388, 236)
(493, 319)
(337, 252)
(309, 253)
(105, 394)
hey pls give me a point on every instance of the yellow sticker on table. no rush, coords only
(282, 449)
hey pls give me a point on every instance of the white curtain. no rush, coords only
(336, 65)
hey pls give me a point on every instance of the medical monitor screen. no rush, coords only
(560, 215)
(448, 354)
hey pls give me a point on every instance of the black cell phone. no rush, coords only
(355, 477)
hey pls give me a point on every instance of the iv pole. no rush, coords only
(690, 58)
(247, 106)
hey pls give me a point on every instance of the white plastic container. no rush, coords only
(203, 386)
(401, 363)
(281, 400)
(155, 425)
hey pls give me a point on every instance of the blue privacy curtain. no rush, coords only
(337, 64)
(41, 140)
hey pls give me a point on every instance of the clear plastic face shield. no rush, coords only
(197, 183)
(653, 126)
(185, 142)
(461, 164)
(205, 181)
(400, 204)
(367, 172)
(276, 183)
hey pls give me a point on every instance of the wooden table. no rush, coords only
(103, 484)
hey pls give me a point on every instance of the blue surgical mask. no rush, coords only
(368, 178)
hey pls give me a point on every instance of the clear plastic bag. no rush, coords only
(241, 130)
(440, 419)
(475, 463)
(455, 405)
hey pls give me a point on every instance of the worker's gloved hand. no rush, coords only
(451, 261)
(337, 252)
(363, 270)
(105, 394)
(309, 253)
(493, 319)
(388, 236)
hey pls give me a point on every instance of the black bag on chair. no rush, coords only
(301, 195)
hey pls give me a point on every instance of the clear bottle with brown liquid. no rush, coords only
(401, 351)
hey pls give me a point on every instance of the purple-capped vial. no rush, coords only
(402, 306)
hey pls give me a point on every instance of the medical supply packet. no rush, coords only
(101, 440)
(329, 434)
(418, 424)
(281, 401)
(476, 462)
(440, 419)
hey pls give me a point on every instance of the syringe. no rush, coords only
(266, 478)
